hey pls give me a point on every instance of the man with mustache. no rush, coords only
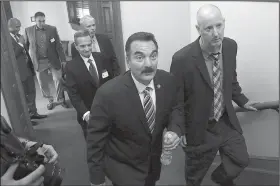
(206, 69)
(128, 116)
(100, 43)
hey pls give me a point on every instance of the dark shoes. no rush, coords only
(37, 116)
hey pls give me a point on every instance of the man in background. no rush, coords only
(100, 43)
(47, 55)
(25, 67)
(206, 70)
(85, 73)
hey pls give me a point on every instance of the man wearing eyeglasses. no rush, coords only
(47, 55)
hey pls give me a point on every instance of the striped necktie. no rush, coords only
(217, 87)
(149, 109)
(93, 73)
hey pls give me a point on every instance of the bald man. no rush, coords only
(25, 67)
(206, 70)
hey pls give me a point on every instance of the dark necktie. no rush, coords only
(217, 87)
(93, 72)
(149, 109)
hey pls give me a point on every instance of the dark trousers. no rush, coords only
(220, 136)
(30, 94)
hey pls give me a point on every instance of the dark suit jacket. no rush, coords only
(189, 67)
(119, 141)
(55, 51)
(106, 48)
(79, 83)
(26, 69)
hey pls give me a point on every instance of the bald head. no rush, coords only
(210, 26)
(208, 12)
(14, 25)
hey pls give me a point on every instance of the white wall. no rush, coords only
(168, 21)
(55, 11)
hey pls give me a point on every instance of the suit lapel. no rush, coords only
(98, 63)
(226, 63)
(33, 35)
(99, 40)
(200, 63)
(135, 102)
(159, 98)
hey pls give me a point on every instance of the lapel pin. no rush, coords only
(158, 86)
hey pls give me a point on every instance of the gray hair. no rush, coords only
(86, 18)
(80, 33)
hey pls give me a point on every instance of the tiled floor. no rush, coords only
(62, 131)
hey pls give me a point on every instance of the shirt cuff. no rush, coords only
(85, 114)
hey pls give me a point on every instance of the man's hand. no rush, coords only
(46, 150)
(183, 142)
(35, 178)
(170, 140)
(86, 118)
(249, 106)
(49, 153)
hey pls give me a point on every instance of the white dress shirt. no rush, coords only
(141, 87)
(87, 65)
(95, 45)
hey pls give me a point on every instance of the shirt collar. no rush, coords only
(205, 53)
(141, 87)
(86, 59)
(37, 28)
(13, 35)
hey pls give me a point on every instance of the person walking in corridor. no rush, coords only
(47, 55)
(128, 117)
(206, 70)
(25, 68)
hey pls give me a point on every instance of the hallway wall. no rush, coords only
(168, 21)
(55, 11)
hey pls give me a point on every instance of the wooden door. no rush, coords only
(11, 86)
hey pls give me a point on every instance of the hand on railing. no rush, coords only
(261, 106)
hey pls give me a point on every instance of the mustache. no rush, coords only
(148, 70)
